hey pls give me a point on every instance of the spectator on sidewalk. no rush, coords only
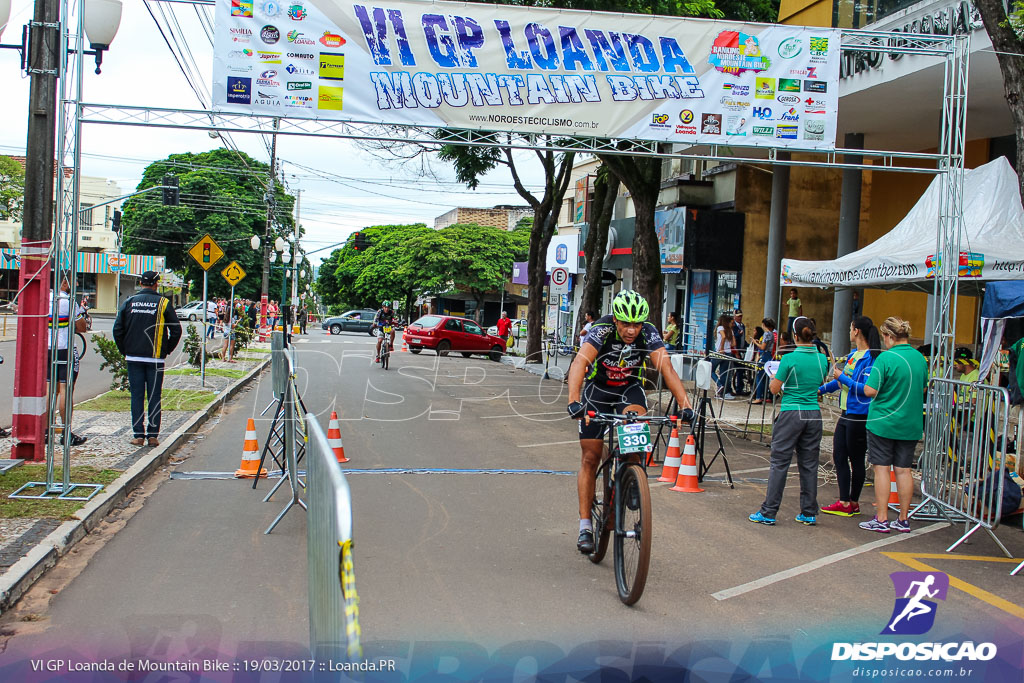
(588, 320)
(896, 388)
(146, 330)
(721, 367)
(858, 305)
(303, 318)
(765, 346)
(671, 333)
(504, 326)
(850, 441)
(797, 429)
(796, 309)
(739, 349)
(63, 355)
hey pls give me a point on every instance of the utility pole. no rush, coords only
(30, 372)
(297, 261)
(271, 205)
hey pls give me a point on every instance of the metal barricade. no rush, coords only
(962, 465)
(334, 632)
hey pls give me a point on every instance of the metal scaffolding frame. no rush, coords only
(948, 161)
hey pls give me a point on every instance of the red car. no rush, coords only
(445, 333)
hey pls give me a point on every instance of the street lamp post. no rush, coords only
(44, 53)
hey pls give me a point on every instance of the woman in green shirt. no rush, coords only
(797, 429)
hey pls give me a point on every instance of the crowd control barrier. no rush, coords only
(334, 632)
(964, 457)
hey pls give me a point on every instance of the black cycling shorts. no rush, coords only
(62, 365)
(606, 399)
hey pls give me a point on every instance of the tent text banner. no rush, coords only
(529, 69)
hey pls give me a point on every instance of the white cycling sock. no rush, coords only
(585, 524)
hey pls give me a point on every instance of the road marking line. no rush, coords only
(496, 417)
(549, 443)
(822, 562)
(912, 561)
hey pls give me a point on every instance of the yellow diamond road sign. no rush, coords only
(206, 252)
(233, 273)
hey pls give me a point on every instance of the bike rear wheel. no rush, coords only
(632, 548)
(600, 512)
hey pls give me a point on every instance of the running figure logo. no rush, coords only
(916, 592)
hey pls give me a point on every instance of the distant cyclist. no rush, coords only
(385, 318)
(605, 377)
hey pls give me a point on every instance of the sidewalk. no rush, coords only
(105, 459)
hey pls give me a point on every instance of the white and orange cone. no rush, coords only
(687, 481)
(673, 459)
(334, 438)
(894, 496)
(249, 469)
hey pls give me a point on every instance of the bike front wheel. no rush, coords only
(632, 533)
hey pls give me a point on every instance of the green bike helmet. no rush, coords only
(630, 307)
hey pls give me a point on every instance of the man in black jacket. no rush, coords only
(146, 331)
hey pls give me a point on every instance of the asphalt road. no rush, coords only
(469, 564)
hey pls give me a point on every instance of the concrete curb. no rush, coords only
(23, 573)
(519, 363)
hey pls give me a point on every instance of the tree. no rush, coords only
(1007, 34)
(222, 193)
(764, 11)
(12, 189)
(606, 189)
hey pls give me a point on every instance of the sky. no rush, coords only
(344, 188)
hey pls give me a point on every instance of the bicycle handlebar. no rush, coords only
(613, 418)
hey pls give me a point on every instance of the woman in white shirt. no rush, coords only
(720, 366)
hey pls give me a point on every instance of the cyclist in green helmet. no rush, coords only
(605, 377)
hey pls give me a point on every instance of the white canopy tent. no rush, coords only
(991, 248)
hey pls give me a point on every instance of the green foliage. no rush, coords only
(112, 360)
(1015, 17)
(12, 189)
(243, 334)
(222, 193)
(193, 346)
(764, 11)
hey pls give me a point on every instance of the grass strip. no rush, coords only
(188, 400)
(53, 508)
(218, 372)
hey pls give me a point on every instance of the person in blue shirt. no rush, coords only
(850, 441)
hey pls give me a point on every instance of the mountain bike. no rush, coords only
(385, 346)
(621, 510)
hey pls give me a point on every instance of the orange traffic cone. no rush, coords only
(670, 470)
(334, 438)
(405, 347)
(687, 481)
(249, 469)
(894, 497)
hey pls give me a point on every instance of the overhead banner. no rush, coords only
(529, 69)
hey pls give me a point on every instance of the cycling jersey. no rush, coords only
(617, 363)
(382, 318)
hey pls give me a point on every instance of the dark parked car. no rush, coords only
(445, 333)
(351, 321)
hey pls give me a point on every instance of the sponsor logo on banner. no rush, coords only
(790, 115)
(329, 97)
(240, 90)
(734, 53)
(660, 121)
(785, 131)
(240, 35)
(815, 86)
(244, 52)
(734, 125)
(296, 38)
(301, 55)
(814, 129)
(332, 66)
(686, 130)
(813, 105)
(686, 116)
(267, 99)
(329, 39)
(711, 124)
(764, 131)
(790, 48)
(763, 113)
(299, 85)
(241, 8)
(818, 49)
(268, 81)
(270, 57)
(299, 101)
(788, 99)
(247, 69)
(733, 105)
(765, 89)
(271, 9)
(269, 73)
(913, 614)
(789, 85)
(270, 34)
(299, 70)
(297, 12)
(736, 90)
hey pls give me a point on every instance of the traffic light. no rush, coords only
(359, 241)
(115, 222)
(171, 190)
